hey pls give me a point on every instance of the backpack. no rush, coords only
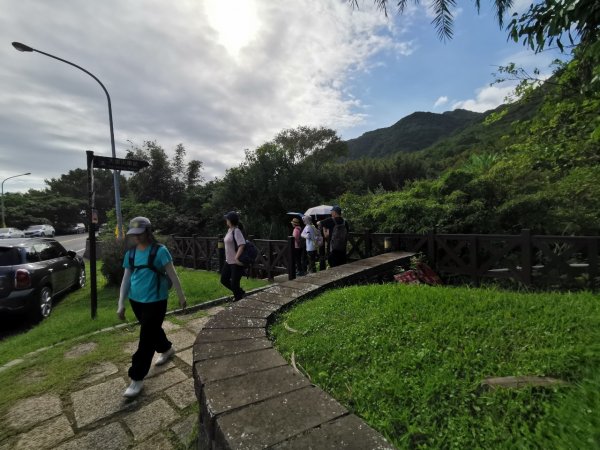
(318, 237)
(150, 265)
(249, 253)
(339, 236)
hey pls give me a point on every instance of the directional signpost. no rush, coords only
(102, 162)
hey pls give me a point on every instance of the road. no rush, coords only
(14, 325)
(75, 242)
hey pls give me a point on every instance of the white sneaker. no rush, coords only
(134, 389)
(164, 357)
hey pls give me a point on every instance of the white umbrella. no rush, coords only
(321, 210)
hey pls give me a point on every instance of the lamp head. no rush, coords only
(22, 47)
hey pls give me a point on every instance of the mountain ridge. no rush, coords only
(412, 133)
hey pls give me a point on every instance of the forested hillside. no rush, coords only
(411, 133)
(534, 164)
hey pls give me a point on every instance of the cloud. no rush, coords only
(440, 101)
(178, 72)
(486, 98)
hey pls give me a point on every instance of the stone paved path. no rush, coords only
(97, 416)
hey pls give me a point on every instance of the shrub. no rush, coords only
(113, 250)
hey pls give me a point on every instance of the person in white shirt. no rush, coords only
(309, 233)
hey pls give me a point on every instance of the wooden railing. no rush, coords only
(545, 261)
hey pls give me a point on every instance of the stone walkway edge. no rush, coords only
(251, 398)
(206, 305)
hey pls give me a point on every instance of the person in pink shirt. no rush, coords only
(297, 254)
(233, 269)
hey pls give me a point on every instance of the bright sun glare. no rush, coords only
(235, 21)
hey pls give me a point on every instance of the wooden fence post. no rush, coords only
(175, 248)
(269, 260)
(431, 249)
(221, 252)
(395, 242)
(526, 256)
(208, 256)
(251, 270)
(291, 261)
(194, 252)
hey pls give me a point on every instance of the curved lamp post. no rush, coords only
(25, 48)
(2, 194)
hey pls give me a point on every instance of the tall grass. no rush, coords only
(410, 361)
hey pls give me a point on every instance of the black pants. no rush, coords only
(322, 258)
(298, 261)
(312, 257)
(231, 274)
(337, 258)
(152, 336)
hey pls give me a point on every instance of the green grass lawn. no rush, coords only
(71, 315)
(410, 360)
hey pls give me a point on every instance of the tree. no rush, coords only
(193, 175)
(156, 182)
(292, 172)
(74, 185)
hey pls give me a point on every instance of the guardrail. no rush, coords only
(533, 260)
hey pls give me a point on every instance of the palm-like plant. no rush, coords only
(444, 17)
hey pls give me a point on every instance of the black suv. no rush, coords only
(33, 271)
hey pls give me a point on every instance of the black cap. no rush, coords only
(232, 216)
(337, 209)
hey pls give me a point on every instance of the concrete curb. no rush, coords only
(250, 397)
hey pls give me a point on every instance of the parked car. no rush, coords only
(78, 228)
(33, 272)
(40, 231)
(10, 233)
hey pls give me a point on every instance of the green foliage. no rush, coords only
(113, 251)
(533, 164)
(37, 207)
(62, 202)
(410, 360)
(555, 21)
(290, 173)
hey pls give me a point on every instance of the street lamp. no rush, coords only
(2, 194)
(25, 48)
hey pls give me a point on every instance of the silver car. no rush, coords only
(40, 231)
(7, 233)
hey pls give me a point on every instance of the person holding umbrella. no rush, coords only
(311, 236)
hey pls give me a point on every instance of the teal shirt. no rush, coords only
(143, 281)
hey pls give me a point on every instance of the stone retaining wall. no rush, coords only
(251, 398)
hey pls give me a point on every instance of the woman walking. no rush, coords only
(148, 267)
(233, 269)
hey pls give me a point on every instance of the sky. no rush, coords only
(224, 76)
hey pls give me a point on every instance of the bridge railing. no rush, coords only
(533, 260)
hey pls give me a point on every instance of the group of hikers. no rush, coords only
(326, 241)
(149, 273)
